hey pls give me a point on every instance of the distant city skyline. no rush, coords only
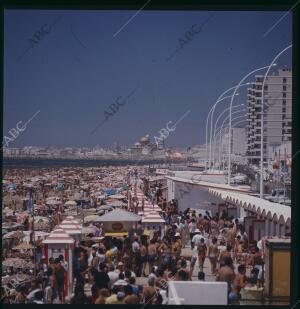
(79, 75)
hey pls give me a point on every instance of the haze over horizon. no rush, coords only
(79, 68)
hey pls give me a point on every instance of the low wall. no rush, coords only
(197, 293)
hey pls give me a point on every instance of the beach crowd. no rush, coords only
(135, 269)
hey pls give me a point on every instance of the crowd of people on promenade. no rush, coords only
(111, 267)
(135, 269)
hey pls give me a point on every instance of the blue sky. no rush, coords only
(79, 68)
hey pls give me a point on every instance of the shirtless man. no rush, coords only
(225, 254)
(202, 250)
(221, 223)
(152, 252)
(231, 233)
(213, 253)
(236, 248)
(95, 260)
(176, 248)
(226, 273)
(149, 292)
(199, 221)
(130, 297)
(206, 225)
(256, 261)
(144, 257)
(239, 280)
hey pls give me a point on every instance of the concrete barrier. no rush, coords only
(197, 293)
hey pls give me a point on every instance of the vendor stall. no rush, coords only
(60, 243)
(119, 221)
(154, 221)
(277, 268)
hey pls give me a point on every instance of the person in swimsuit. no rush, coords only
(239, 280)
(144, 257)
(152, 253)
(213, 253)
(149, 292)
(225, 254)
(202, 249)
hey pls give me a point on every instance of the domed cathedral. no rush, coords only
(145, 147)
(145, 140)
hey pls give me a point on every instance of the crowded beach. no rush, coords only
(109, 235)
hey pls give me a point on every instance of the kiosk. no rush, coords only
(119, 222)
(60, 243)
(153, 221)
(277, 268)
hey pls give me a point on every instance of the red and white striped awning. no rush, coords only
(58, 236)
(70, 229)
(152, 217)
(156, 207)
(71, 222)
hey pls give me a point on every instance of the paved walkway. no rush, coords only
(186, 251)
(208, 277)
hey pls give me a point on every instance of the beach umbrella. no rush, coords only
(7, 210)
(41, 234)
(50, 198)
(118, 205)
(13, 234)
(90, 210)
(70, 217)
(117, 196)
(70, 203)
(110, 191)
(92, 218)
(28, 185)
(39, 219)
(76, 196)
(23, 246)
(87, 230)
(104, 207)
(35, 179)
(100, 196)
(11, 186)
(52, 202)
(94, 228)
(59, 186)
(18, 263)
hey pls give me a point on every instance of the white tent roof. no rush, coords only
(255, 204)
(120, 215)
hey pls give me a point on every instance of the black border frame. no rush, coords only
(208, 5)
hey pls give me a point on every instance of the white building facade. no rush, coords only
(277, 112)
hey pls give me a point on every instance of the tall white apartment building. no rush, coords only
(238, 145)
(277, 113)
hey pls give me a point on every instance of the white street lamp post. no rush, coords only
(219, 129)
(215, 127)
(230, 119)
(211, 110)
(221, 134)
(261, 182)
